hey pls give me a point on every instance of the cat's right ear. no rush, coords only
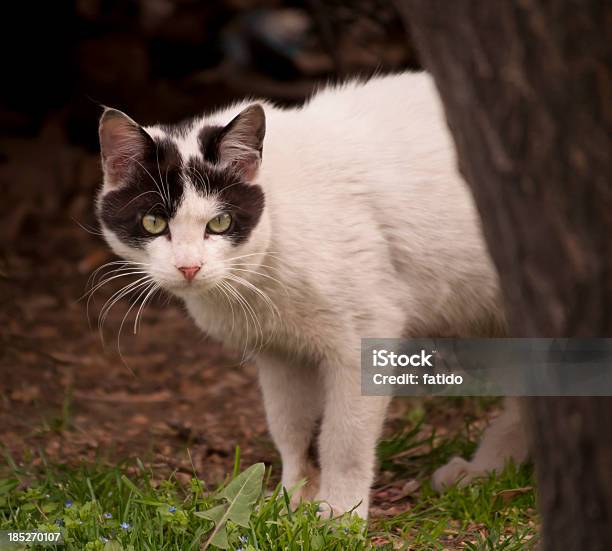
(123, 144)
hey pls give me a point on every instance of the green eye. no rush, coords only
(219, 224)
(154, 224)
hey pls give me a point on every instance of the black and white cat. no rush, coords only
(290, 234)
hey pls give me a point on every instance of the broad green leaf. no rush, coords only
(113, 546)
(241, 495)
(219, 539)
(215, 514)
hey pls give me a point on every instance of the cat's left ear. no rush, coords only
(241, 142)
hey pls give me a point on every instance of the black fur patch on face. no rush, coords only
(242, 200)
(121, 210)
(208, 139)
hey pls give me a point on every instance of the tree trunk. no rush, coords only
(527, 89)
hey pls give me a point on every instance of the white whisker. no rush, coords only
(167, 189)
(157, 185)
(152, 292)
(91, 281)
(232, 269)
(260, 341)
(247, 311)
(92, 231)
(138, 197)
(220, 287)
(109, 279)
(101, 284)
(147, 285)
(258, 291)
(116, 297)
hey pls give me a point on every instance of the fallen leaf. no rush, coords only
(511, 493)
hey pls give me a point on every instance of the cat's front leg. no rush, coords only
(351, 426)
(292, 399)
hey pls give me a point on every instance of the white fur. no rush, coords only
(504, 440)
(368, 231)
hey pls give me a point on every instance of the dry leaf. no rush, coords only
(511, 493)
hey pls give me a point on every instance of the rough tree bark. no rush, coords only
(527, 89)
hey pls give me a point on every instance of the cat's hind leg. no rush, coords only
(503, 440)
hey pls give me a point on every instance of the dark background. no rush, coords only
(160, 61)
(64, 394)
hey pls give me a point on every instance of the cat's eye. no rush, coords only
(219, 224)
(154, 224)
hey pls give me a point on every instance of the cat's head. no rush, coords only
(183, 203)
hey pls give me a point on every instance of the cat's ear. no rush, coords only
(241, 142)
(123, 144)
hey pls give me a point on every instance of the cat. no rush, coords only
(290, 234)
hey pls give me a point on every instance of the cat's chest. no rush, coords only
(237, 322)
(257, 325)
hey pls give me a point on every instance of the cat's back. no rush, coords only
(381, 122)
(381, 146)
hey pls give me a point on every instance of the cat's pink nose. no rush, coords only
(189, 272)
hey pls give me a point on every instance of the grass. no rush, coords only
(101, 509)
(497, 512)
(127, 508)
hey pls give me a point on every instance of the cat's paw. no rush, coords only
(331, 508)
(306, 489)
(326, 510)
(456, 471)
